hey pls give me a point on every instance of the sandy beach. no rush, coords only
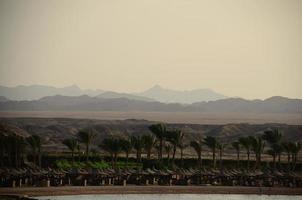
(77, 190)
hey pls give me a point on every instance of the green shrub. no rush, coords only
(63, 164)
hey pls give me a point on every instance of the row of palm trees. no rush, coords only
(85, 137)
(252, 144)
(276, 145)
(162, 140)
(13, 147)
(172, 140)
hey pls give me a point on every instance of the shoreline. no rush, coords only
(81, 190)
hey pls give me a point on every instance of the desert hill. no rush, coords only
(54, 131)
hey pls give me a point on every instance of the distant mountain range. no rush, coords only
(155, 99)
(87, 103)
(114, 95)
(34, 92)
(155, 93)
(185, 97)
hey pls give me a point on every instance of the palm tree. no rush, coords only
(8, 149)
(32, 143)
(257, 147)
(279, 150)
(79, 152)
(126, 147)
(168, 149)
(175, 138)
(246, 143)
(72, 144)
(36, 145)
(2, 149)
(149, 142)
(86, 137)
(182, 146)
(295, 150)
(272, 136)
(14, 145)
(236, 145)
(221, 148)
(274, 151)
(113, 147)
(138, 144)
(212, 142)
(159, 130)
(287, 146)
(156, 146)
(197, 146)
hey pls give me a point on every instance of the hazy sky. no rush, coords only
(247, 48)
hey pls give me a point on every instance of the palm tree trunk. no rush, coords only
(288, 161)
(174, 151)
(199, 160)
(115, 160)
(248, 160)
(259, 160)
(1, 155)
(21, 158)
(295, 161)
(16, 156)
(279, 160)
(79, 155)
(274, 161)
(181, 157)
(160, 149)
(238, 154)
(9, 158)
(112, 160)
(34, 158)
(214, 160)
(220, 159)
(40, 157)
(127, 158)
(87, 152)
(149, 154)
(72, 156)
(139, 156)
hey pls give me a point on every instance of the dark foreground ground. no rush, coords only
(76, 190)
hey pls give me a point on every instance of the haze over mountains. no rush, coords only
(156, 93)
(155, 99)
(34, 92)
(186, 97)
(86, 103)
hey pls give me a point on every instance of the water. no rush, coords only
(172, 197)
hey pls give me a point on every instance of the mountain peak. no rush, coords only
(276, 98)
(156, 87)
(73, 86)
(177, 96)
